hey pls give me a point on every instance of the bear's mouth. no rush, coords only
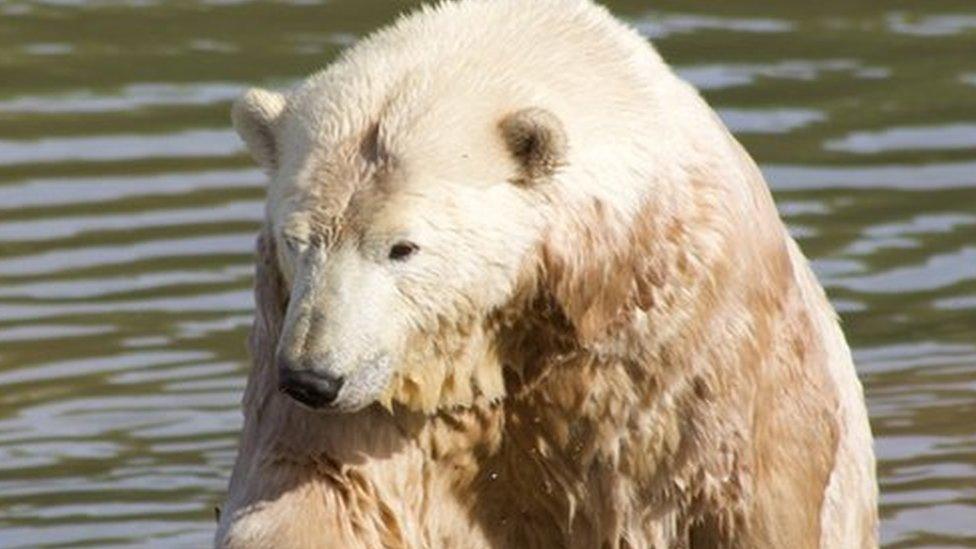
(323, 392)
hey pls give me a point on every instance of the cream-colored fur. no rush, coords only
(605, 337)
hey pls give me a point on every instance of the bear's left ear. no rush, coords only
(255, 115)
(537, 140)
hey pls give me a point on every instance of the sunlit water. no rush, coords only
(128, 212)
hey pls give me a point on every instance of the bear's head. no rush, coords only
(402, 250)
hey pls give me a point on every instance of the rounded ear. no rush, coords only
(537, 140)
(254, 115)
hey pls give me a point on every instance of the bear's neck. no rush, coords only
(537, 460)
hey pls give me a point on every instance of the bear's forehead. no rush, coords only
(337, 206)
(443, 134)
(345, 164)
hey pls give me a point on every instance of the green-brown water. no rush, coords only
(128, 211)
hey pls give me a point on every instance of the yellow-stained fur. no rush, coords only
(610, 340)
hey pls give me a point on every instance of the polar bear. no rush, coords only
(519, 287)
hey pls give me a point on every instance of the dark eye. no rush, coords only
(402, 250)
(292, 243)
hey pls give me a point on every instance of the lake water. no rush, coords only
(128, 212)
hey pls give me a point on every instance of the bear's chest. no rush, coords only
(580, 463)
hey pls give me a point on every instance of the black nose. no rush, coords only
(313, 389)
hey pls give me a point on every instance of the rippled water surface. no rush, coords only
(128, 212)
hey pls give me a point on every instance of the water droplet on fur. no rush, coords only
(493, 476)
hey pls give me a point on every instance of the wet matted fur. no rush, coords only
(646, 360)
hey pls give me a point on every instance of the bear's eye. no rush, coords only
(402, 250)
(293, 244)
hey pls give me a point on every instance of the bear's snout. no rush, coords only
(308, 386)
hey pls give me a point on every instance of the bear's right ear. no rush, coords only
(537, 140)
(255, 115)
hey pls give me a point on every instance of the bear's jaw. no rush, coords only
(453, 365)
(482, 361)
